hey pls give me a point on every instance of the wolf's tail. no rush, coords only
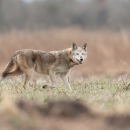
(6, 70)
(8, 67)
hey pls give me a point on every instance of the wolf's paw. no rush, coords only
(45, 86)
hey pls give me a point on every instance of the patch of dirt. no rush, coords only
(63, 115)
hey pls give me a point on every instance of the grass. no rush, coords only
(104, 94)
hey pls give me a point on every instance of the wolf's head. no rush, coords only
(78, 54)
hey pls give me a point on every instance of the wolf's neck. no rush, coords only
(67, 54)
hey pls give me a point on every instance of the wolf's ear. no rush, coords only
(74, 46)
(84, 47)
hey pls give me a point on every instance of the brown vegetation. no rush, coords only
(108, 52)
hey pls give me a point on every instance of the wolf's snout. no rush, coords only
(81, 59)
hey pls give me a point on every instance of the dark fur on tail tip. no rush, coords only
(4, 74)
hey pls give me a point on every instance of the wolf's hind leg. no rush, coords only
(26, 80)
(28, 75)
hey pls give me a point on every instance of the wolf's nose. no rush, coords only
(81, 59)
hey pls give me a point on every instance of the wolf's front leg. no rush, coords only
(53, 80)
(65, 81)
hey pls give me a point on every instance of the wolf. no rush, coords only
(51, 63)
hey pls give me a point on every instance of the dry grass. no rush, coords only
(105, 94)
(108, 52)
(80, 108)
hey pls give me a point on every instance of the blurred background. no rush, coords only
(56, 24)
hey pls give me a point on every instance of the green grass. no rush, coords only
(102, 94)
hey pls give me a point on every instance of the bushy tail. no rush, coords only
(7, 69)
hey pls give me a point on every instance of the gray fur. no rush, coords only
(48, 63)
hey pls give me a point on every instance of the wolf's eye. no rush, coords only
(77, 53)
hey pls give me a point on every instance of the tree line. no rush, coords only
(63, 13)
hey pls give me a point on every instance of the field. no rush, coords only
(100, 86)
(104, 94)
(104, 103)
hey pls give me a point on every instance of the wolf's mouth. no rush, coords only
(80, 62)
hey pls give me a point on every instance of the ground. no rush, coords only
(98, 105)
